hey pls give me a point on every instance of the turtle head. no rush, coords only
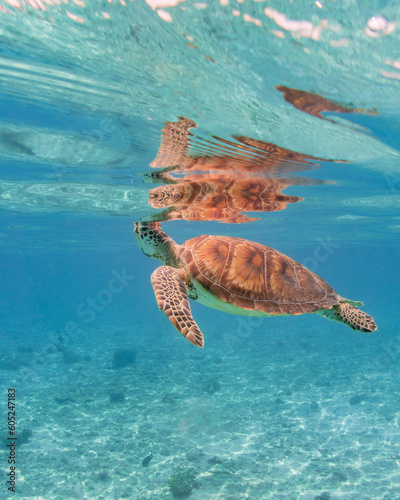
(155, 243)
(169, 195)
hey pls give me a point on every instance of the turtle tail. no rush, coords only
(352, 316)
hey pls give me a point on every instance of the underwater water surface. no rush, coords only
(276, 122)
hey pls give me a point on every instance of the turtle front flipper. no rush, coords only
(172, 298)
(351, 316)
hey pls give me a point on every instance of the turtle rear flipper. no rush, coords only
(172, 297)
(356, 319)
(351, 316)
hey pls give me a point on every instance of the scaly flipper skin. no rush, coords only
(172, 297)
(356, 319)
(351, 316)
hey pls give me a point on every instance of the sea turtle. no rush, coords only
(239, 277)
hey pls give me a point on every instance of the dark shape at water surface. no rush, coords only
(221, 179)
(357, 399)
(239, 277)
(147, 460)
(323, 496)
(24, 436)
(213, 385)
(123, 357)
(314, 104)
(182, 483)
(117, 396)
(314, 406)
(14, 142)
(103, 475)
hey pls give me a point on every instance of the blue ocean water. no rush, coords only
(272, 408)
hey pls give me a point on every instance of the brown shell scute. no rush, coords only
(255, 277)
(244, 274)
(212, 258)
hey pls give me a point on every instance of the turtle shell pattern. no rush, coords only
(255, 277)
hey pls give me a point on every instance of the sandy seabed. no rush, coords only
(294, 415)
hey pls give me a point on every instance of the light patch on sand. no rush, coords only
(343, 42)
(157, 4)
(75, 18)
(395, 64)
(391, 74)
(165, 16)
(106, 15)
(33, 4)
(250, 19)
(300, 28)
(378, 26)
(14, 3)
(278, 33)
(36, 4)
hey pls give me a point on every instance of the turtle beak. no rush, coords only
(136, 229)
